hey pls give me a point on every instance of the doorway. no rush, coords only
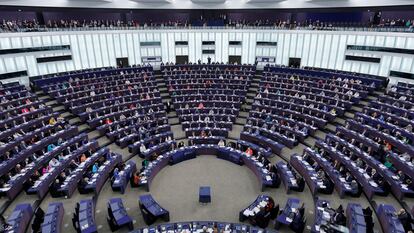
(294, 62)
(235, 59)
(181, 59)
(122, 62)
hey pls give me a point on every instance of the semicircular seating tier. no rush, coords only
(207, 98)
(123, 104)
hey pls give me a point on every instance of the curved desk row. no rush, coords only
(98, 179)
(198, 226)
(117, 215)
(71, 182)
(52, 222)
(84, 216)
(120, 182)
(41, 186)
(267, 153)
(341, 185)
(53, 80)
(368, 184)
(260, 211)
(355, 218)
(199, 140)
(289, 178)
(262, 141)
(309, 174)
(226, 153)
(19, 219)
(151, 210)
(389, 221)
(134, 146)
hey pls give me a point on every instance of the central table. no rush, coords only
(204, 194)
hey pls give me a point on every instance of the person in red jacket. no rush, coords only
(249, 151)
(108, 121)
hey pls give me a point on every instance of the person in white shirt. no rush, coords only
(53, 163)
(142, 148)
(221, 142)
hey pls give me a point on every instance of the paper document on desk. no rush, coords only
(373, 183)
(326, 215)
(248, 212)
(262, 203)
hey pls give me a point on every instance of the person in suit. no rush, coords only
(168, 106)
(348, 177)
(115, 176)
(328, 184)
(401, 176)
(405, 219)
(62, 177)
(297, 223)
(375, 176)
(82, 185)
(339, 216)
(54, 188)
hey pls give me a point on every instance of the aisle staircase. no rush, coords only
(241, 119)
(173, 121)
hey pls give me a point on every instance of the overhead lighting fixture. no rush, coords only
(152, 1)
(208, 1)
(265, 1)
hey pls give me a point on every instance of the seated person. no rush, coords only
(135, 179)
(55, 187)
(221, 142)
(82, 158)
(200, 106)
(181, 144)
(249, 151)
(405, 219)
(339, 217)
(52, 121)
(54, 163)
(62, 177)
(82, 185)
(297, 217)
(154, 156)
(50, 147)
(144, 163)
(115, 175)
(95, 168)
(142, 148)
